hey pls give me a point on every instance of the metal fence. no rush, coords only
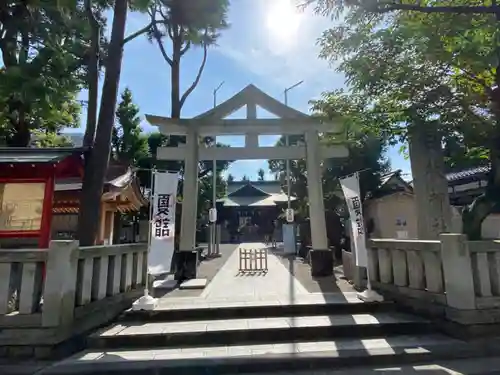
(253, 260)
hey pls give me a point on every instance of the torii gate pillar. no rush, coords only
(213, 123)
(187, 243)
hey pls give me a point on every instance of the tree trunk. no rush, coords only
(431, 187)
(92, 76)
(21, 136)
(90, 203)
(474, 215)
(175, 78)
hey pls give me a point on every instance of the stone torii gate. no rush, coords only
(213, 123)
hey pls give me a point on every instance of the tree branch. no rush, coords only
(186, 48)
(384, 8)
(198, 76)
(162, 48)
(139, 32)
(24, 49)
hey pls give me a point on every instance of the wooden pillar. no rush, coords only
(109, 219)
(102, 224)
(46, 221)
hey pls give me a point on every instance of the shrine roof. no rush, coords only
(248, 190)
(118, 176)
(268, 187)
(467, 174)
(254, 194)
(121, 187)
(17, 155)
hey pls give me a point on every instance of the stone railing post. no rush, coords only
(60, 283)
(457, 270)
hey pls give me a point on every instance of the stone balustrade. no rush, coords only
(450, 277)
(485, 262)
(48, 296)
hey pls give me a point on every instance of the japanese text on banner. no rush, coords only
(162, 220)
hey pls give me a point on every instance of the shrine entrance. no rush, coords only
(213, 123)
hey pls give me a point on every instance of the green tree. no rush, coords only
(430, 71)
(366, 154)
(42, 46)
(98, 159)
(182, 24)
(261, 173)
(206, 190)
(245, 178)
(179, 25)
(49, 139)
(230, 178)
(458, 156)
(129, 144)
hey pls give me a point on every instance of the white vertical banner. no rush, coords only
(350, 187)
(162, 242)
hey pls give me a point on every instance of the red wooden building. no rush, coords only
(39, 186)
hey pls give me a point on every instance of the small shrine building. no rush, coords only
(40, 190)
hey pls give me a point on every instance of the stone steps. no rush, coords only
(255, 330)
(258, 358)
(194, 336)
(188, 309)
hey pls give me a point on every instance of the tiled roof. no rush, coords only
(36, 155)
(269, 187)
(455, 176)
(271, 193)
(254, 201)
(117, 176)
(386, 177)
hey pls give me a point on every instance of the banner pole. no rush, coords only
(148, 302)
(368, 295)
(150, 218)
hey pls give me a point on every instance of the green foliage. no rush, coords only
(139, 5)
(230, 178)
(205, 189)
(459, 157)
(432, 65)
(50, 139)
(192, 21)
(245, 178)
(43, 47)
(129, 144)
(366, 153)
(177, 25)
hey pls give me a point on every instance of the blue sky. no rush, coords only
(269, 44)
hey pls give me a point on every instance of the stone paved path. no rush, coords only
(230, 283)
(207, 269)
(302, 272)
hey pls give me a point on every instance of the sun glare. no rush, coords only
(282, 20)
